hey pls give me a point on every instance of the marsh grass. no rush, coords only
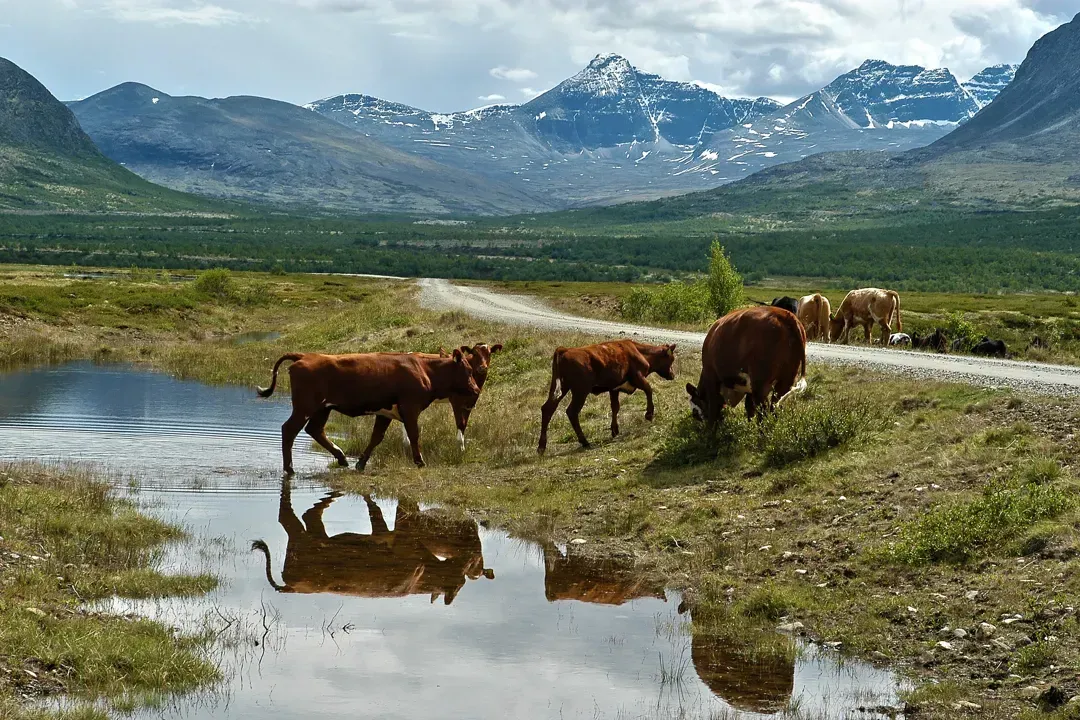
(66, 541)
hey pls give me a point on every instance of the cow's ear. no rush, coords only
(443, 353)
(466, 350)
(496, 347)
(671, 347)
(458, 356)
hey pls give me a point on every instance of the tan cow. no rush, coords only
(867, 307)
(814, 313)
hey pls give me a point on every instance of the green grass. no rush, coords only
(67, 541)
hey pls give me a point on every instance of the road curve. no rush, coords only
(983, 372)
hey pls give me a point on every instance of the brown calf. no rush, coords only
(391, 386)
(814, 313)
(867, 307)
(479, 357)
(756, 353)
(619, 366)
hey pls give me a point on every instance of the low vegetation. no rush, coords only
(817, 515)
(66, 542)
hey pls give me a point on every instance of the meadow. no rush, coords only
(875, 510)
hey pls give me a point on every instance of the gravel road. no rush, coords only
(983, 372)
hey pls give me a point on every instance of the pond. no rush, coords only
(374, 607)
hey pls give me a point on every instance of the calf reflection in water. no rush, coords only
(597, 581)
(427, 553)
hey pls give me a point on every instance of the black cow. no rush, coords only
(990, 348)
(784, 303)
(937, 341)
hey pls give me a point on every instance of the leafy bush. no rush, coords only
(675, 302)
(960, 328)
(798, 431)
(805, 430)
(217, 283)
(725, 285)
(960, 531)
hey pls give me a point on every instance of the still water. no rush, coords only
(374, 607)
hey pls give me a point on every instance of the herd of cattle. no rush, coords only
(756, 353)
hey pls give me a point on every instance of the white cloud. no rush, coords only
(158, 13)
(492, 98)
(529, 93)
(512, 74)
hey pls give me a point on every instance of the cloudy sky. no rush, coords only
(456, 54)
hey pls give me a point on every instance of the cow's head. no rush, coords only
(699, 405)
(662, 362)
(836, 326)
(479, 358)
(464, 383)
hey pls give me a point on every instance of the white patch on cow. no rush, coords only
(393, 413)
(461, 439)
(696, 410)
(799, 388)
(558, 387)
(404, 435)
(745, 387)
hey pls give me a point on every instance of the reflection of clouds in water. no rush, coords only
(514, 646)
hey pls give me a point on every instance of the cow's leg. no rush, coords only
(378, 522)
(546, 413)
(411, 419)
(866, 333)
(751, 407)
(640, 383)
(313, 517)
(293, 527)
(886, 331)
(378, 432)
(614, 413)
(316, 428)
(577, 401)
(289, 430)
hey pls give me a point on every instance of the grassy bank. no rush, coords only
(1015, 318)
(877, 511)
(66, 541)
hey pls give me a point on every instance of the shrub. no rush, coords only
(960, 328)
(960, 531)
(804, 430)
(674, 302)
(217, 283)
(695, 443)
(725, 285)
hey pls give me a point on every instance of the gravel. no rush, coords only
(982, 372)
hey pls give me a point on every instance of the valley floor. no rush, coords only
(927, 526)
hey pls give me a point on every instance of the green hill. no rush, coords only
(48, 164)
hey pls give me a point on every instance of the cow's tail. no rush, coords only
(896, 296)
(262, 547)
(799, 386)
(268, 391)
(556, 380)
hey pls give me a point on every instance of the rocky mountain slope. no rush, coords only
(613, 132)
(986, 85)
(263, 150)
(48, 164)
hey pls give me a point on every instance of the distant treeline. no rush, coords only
(974, 253)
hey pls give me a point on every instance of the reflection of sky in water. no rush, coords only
(500, 650)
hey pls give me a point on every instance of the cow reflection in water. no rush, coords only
(745, 680)
(427, 553)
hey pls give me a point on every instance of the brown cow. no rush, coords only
(392, 386)
(397, 563)
(757, 353)
(867, 307)
(814, 313)
(618, 366)
(479, 357)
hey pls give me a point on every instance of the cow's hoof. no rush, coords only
(343, 463)
(541, 450)
(361, 464)
(649, 416)
(614, 433)
(421, 463)
(586, 446)
(288, 472)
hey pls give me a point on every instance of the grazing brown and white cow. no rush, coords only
(619, 366)
(814, 313)
(867, 307)
(479, 357)
(427, 553)
(391, 386)
(757, 353)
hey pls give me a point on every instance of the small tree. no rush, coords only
(725, 283)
